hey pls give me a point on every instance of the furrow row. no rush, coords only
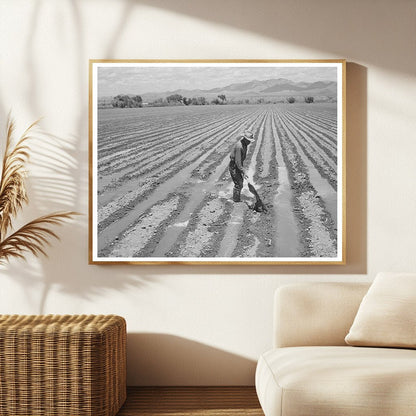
(140, 147)
(316, 147)
(315, 157)
(178, 180)
(165, 189)
(309, 209)
(325, 140)
(162, 158)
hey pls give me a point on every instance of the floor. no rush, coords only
(187, 401)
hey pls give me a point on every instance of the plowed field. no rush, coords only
(164, 190)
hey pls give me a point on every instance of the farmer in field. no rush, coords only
(237, 157)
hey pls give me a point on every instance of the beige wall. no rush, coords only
(204, 325)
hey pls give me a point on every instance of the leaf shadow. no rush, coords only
(58, 180)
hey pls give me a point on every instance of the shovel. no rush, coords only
(259, 205)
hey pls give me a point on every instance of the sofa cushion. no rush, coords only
(341, 381)
(387, 314)
(315, 314)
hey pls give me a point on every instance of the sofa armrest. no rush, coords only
(309, 314)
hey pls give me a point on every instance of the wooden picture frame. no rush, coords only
(166, 143)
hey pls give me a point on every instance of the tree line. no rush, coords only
(135, 101)
(127, 101)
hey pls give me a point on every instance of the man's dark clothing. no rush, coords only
(237, 157)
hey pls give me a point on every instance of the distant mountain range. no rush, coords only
(280, 87)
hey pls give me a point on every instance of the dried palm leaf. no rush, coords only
(33, 237)
(12, 183)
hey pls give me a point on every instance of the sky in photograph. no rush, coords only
(113, 80)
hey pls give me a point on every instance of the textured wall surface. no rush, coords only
(193, 325)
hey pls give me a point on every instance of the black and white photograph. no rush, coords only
(217, 162)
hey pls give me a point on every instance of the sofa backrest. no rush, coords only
(309, 314)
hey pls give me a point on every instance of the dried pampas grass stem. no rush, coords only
(34, 236)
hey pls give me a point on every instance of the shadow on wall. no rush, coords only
(161, 359)
(58, 180)
(55, 187)
(63, 185)
(364, 30)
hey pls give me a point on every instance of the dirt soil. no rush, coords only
(180, 204)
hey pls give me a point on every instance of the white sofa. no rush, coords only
(311, 371)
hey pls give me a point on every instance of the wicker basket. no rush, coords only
(71, 365)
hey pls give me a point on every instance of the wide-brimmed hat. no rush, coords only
(248, 134)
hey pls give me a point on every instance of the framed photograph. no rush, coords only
(217, 162)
